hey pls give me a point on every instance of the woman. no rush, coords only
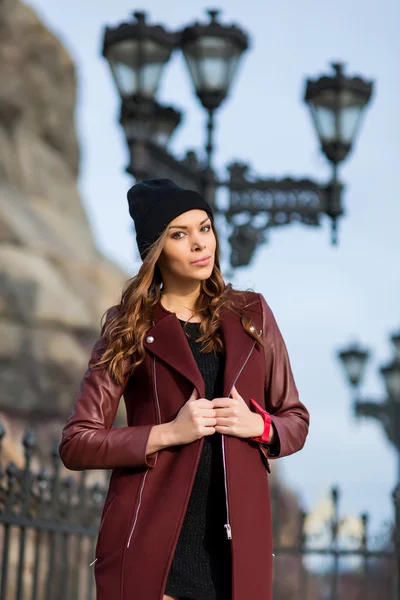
(209, 396)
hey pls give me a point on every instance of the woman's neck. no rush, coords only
(182, 306)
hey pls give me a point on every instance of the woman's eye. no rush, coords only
(208, 227)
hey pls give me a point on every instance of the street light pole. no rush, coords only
(354, 360)
(137, 53)
(387, 412)
(396, 500)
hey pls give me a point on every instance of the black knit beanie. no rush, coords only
(154, 203)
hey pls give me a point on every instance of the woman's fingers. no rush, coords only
(224, 430)
(226, 412)
(227, 421)
(225, 402)
(201, 403)
(206, 413)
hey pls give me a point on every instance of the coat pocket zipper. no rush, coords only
(102, 523)
(138, 507)
(227, 525)
(147, 470)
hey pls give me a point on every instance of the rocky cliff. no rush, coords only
(54, 282)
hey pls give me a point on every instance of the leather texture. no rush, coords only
(290, 420)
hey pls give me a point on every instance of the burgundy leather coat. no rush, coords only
(148, 495)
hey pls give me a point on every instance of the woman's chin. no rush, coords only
(205, 273)
(200, 276)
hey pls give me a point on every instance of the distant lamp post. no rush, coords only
(137, 53)
(387, 411)
(354, 360)
(391, 372)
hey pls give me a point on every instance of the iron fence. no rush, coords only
(328, 556)
(49, 525)
(48, 530)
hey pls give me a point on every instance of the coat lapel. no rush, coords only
(166, 340)
(238, 345)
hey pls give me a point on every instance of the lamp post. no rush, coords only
(337, 105)
(137, 53)
(354, 361)
(387, 411)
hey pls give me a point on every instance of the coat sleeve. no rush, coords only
(290, 418)
(88, 440)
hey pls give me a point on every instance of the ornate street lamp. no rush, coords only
(354, 360)
(387, 412)
(337, 104)
(212, 53)
(391, 371)
(152, 121)
(137, 53)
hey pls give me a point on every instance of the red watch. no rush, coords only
(264, 437)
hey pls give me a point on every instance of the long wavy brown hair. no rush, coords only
(123, 334)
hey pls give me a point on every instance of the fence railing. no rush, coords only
(48, 530)
(330, 557)
(49, 525)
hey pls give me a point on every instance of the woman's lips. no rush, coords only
(202, 263)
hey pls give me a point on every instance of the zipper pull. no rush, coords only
(228, 531)
(92, 563)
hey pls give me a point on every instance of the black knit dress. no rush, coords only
(201, 566)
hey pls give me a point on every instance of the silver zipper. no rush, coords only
(137, 508)
(147, 471)
(155, 389)
(227, 525)
(101, 525)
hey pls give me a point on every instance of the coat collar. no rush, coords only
(166, 340)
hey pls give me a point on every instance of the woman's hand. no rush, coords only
(195, 419)
(234, 417)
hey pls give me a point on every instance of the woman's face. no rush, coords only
(190, 238)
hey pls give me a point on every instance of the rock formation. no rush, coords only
(54, 282)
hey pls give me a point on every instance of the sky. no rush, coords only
(323, 297)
